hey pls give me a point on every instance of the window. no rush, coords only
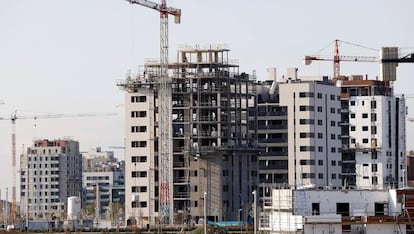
(373, 104)
(373, 129)
(333, 150)
(306, 108)
(138, 99)
(135, 174)
(320, 175)
(365, 140)
(374, 155)
(333, 176)
(307, 148)
(138, 128)
(308, 175)
(332, 97)
(225, 172)
(352, 103)
(333, 136)
(374, 180)
(306, 121)
(320, 135)
(138, 144)
(374, 167)
(352, 128)
(315, 207)
(306, 94)
(320, 149)
(319, 109)
(333, 163)
(320, 162)
(332, 123)
(365, 115)
(320, 122)
(139, 189)
(365, 128)
(352, 116)
(138, 159)
(333, 110)
(320, 95)
(373, 116)
(307, 135)
(307, 162)
(136, 114)
(225, 188)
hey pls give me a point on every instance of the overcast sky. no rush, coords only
(66, 56)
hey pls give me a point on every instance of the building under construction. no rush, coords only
(212, 161)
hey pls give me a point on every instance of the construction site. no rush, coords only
(209, 145)
(211, 151)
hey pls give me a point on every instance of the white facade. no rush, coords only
(139, 155)
(326, 211)
(379, 139)
(314, 132)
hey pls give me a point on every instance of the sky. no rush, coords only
(65, 57)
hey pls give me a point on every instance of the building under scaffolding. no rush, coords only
(211, 150)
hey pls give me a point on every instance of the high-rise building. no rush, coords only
(212, 151)
(50, 172)
(373, 131)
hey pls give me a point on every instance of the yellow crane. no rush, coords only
(13, 119)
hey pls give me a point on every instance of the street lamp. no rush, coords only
(240, 220)
(254, 211)
(205, 212)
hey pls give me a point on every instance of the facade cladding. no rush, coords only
(50, 172)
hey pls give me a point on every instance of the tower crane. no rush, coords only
(13, 119)
(165, 108)
(337, 58)
(392, 58)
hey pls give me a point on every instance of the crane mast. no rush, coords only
(164, 108)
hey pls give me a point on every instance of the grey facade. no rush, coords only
(50, 172)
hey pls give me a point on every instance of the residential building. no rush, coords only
(50, 172)
(212, 151)
(314, 144)
(373, 134)
(103, 181)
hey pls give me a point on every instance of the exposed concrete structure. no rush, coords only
(212, 150)
(51, 171)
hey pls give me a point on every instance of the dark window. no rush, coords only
(306, 94)
(138, 99)
(364, 128)
(352, 103)
(332, 97)
(307, 135)
(315, 208)
(342, 209)
(374, 167)
(352, 116)
(306, 121)
(333, 110)
(306, 108)
(333, 123)
(320, 149)
(138, 128)
(138, 144)
(373, 104)
(307, 148)
(136, 114)
(364, 115)
(320, 95)
(320, 162)
(319, 109)
(352, 128)
(320, 135)
(365, 140)
(320, 122)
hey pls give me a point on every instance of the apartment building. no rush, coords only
(314, 132)
(50, 172)
(212, 151)
(103, 181)
(373, 133)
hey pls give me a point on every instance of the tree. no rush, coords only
(116, 211)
